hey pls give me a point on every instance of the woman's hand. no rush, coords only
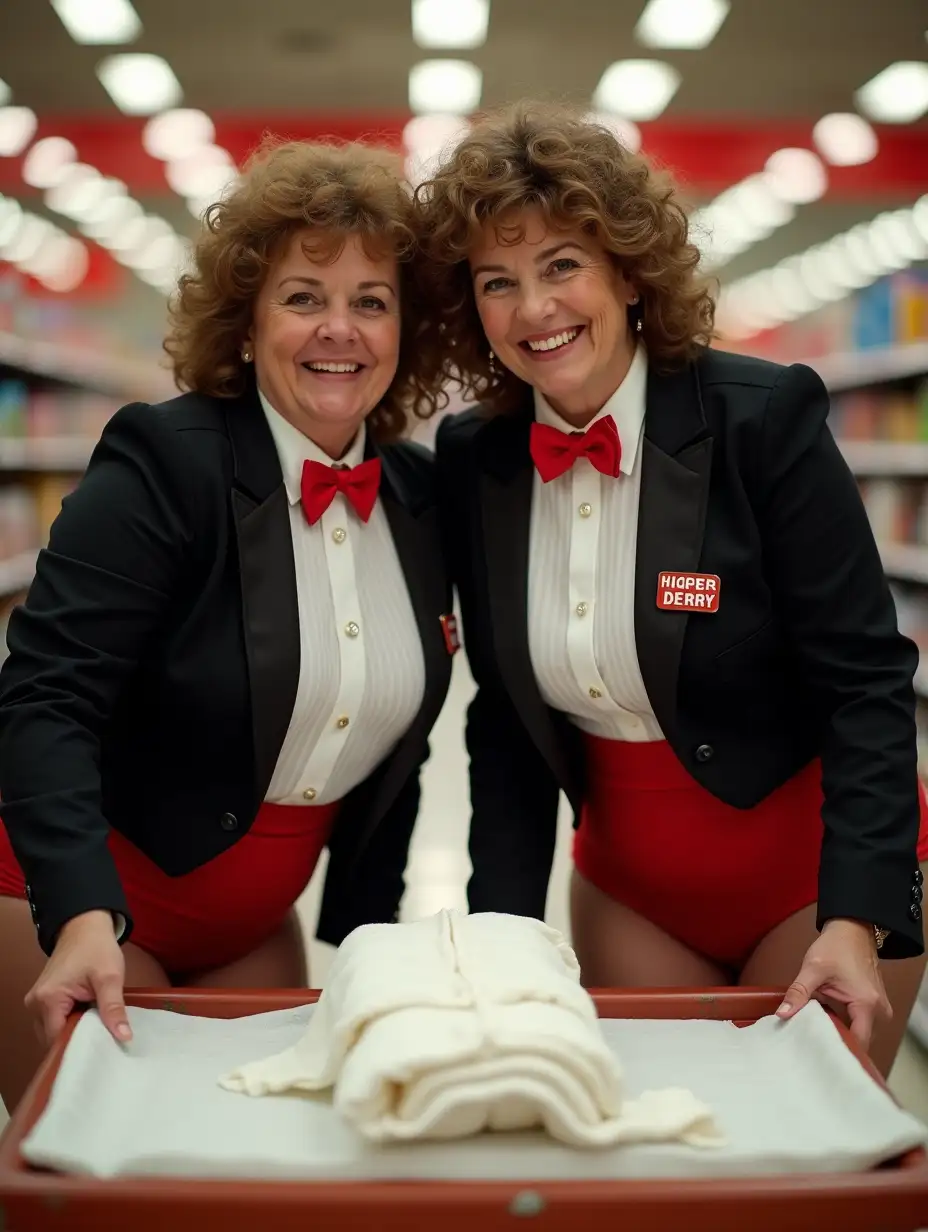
(841, 966)
(86, 966)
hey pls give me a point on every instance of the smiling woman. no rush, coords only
(673, 606)
(232, 653)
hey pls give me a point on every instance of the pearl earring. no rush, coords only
(247, 355)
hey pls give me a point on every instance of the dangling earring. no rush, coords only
(247, 356)
(492, 364)
(639, 316)
(639, 325)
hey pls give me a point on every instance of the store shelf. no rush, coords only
(886, 457)
(86, 368)
(53, 453)
(856, 369)
(17, 572)
(905, 561)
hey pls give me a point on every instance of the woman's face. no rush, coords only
(554, 308)
(326, 338)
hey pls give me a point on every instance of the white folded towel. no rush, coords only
(451, 1025)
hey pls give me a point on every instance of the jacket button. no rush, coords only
(915, 912)
(228, 821)
(919, 877)
(705, 752)
(917, 894)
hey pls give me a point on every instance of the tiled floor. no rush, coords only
(439, 868)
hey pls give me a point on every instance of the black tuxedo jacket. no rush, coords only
(740, 478)
(153, 668)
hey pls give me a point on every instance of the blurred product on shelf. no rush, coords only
(885, 414)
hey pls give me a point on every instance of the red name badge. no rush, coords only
(688, 592)
(449, 626)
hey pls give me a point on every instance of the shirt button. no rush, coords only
(705, 752)
(339, 534)
(309, 793)
(228, 821)
(582, 609)
(585, 509)
(595, 694)
(343, 722)
(352, 629)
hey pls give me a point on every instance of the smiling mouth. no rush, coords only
(553, 344)
(329, 368)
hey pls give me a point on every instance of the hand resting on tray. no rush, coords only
(86, 966)
(447, 1026)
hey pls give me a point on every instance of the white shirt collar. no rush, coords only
(293, 449)
(626, 406)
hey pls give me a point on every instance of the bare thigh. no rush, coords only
(777, 959)
(618, 948)
(279, 962)
(21, 964)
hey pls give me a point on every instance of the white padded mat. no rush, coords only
(789, 1097)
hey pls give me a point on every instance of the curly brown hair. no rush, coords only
(579, 175)
(338, 190)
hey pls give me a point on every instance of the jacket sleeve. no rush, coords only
(514, 794)
(832, 597)
(114, 565)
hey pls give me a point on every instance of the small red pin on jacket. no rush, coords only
(449, 626)
(688, 592)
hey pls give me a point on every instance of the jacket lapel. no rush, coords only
(268, 582)
(507, 477)
(676, 461)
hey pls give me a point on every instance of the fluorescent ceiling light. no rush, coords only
(450, 23)
(5, 93)
(796, 175)
(11, 214)
(636, 89)
(178, 133)
(445, 86)
(62, 263)
(139, 84)
(845, 139)
(99, 21)
(206, 173)
(31, 233)
(684, 24)
(48, 162)
(426, 138)
(897, 95)
(17, 128)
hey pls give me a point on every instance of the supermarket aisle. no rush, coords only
(438, 867)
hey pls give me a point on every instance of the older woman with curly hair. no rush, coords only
(232, 653)
(672, 602)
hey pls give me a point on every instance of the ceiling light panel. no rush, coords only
(681, 24)
(450, 24)
(445, 86)
(106, 22)
(5, 93)
(897, 95)
(17, 128)
(636, 89)
(139, 84)
(845, 139)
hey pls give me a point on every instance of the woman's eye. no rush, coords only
(371, 302)
(300, 299)
(562, 264)
(494, 284)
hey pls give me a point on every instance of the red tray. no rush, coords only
(893, 1198)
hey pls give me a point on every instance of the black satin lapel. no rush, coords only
(506, 506)
(671, 520)
(271, 622)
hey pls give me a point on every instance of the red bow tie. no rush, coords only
(359, 484)
(554, 452)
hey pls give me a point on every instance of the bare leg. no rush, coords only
(279, 962)
(618, 948)
(777, 959)
(21, 964)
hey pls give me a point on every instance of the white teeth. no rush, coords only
(551, 344)
(323, 367)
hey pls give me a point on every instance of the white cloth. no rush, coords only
(581, 579)
(360, 652)
(454, 1024)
